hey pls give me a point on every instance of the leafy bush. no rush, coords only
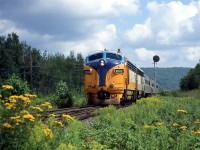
(19, 87)
(169, 93)
(63, 95)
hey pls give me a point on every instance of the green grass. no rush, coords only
(159, 122)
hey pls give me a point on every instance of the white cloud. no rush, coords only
(98, 41)
(139, 32)
(193, 54)
(87, 8)
(108, 35)
(144, 54)
(169, 20)
(169, 29)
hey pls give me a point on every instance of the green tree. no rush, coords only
(10, 55)
(191, 80)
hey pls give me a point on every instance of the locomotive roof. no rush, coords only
(104, 51)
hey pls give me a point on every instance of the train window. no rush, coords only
(95, 56)
(113, 56)
(147, 82)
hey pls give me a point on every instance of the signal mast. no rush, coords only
(156, 58)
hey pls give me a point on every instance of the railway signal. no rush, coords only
(156, 58)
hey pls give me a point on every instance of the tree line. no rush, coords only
(41, 70)
(191, 80)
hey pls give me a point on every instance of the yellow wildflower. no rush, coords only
(183, 127)
(29, 117)
(18, 121)
(10, 106)
(13, 98)
(159, 123)
(30, 95)
(182, 111)
(147, 127)
(25, 100)
(175, 124)
(37, 108)
(0, 96)
(46, 104)
(197, 132)
(13, 101)
(67, 117)
(24, 112)
(53, 115)
(7, 87)
(197, 121)
(48, 132)
(59, 123)
(7, 125)
(15, 118)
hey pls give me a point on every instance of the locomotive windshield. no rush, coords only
(95, 56)
(113, 56)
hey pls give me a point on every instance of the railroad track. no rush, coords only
(80, 113)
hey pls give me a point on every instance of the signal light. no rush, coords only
(102, 62)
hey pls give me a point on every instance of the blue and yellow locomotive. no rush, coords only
(109, 78)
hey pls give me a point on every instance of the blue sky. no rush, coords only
(140, 28)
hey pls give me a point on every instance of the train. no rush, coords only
(110, 78)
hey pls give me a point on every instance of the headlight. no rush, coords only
(119, 71)
(87, 71)
(102, 62)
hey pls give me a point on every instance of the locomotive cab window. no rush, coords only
(95, 56)
(113, 56)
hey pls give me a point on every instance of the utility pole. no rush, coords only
(78, 72)
(31, 69)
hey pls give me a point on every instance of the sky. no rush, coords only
(140, 28)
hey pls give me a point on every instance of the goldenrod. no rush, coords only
(7, 87)
(37, 108)
(197, 132)
(67, 116)
(147, 127)
(48, 132)
(159, 123)
(24, 112)
(10, 106)
(182, 111)
(29, 117)
(30, 95)
(7, 125)
(183, 127)
(175, 124)
(46, 104)
(59, 123)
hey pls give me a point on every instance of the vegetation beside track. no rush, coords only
(158, 122)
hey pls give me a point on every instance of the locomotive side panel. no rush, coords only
(132, 80)
(91, 84)
(91, 80)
